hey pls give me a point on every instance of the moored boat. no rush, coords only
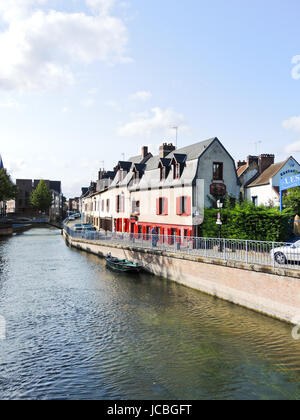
(124, 266)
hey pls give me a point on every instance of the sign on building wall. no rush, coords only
(287, 183)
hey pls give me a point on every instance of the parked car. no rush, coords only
(287, 253)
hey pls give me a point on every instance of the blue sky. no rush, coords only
(83, 81)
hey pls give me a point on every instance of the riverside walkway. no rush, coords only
(265, 254)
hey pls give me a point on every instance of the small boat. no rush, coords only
(124, 266)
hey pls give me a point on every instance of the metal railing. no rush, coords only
(269, 254)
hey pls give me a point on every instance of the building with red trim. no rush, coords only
(168, 191)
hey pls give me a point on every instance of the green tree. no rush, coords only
(41, 197)
(292, 201)
(8, 190)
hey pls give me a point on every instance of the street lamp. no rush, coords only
(219, 223)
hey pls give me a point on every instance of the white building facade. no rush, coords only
(168, 191)
(264, 190)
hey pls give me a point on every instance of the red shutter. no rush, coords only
(189, 206)
(178, 206)
(157, 206)
(166, 210)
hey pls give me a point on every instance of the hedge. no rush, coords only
(249, 222)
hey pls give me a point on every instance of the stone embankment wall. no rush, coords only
(274, 292)
(6, 230)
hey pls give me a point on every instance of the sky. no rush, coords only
(84, 83)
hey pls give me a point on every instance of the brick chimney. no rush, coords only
(241, 163)
(144, 151)
(265, 161)
(252, 159)
(165, 149)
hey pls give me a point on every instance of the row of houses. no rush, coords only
(170, 191)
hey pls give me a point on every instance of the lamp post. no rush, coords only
(219, 223)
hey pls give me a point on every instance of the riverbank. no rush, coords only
(6, 230)
(272, 291)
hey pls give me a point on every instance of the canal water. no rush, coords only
(76, 330)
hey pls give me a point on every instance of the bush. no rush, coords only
(248, 222)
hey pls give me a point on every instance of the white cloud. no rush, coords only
(292, 124)
(141, 96)
(101, 6)
(113, 104)
(39, 47)
(293, 148)
(158, 120)
(9, 104)
(296, 68)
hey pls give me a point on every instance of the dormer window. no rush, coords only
(136, 177)
(176, 171)
(178, 162)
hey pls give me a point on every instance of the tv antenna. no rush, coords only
(256, 145)
(176, 128)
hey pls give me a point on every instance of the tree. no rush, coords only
(8, 190)
(292, 200)
(41, 197)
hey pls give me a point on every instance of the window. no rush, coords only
(136, 207)
(183, 206)
(162, 206)
(102, 204)
(107, 205)
(136, 177)
(120, 201)
(162, 173)
(176, 171)
(218, 171)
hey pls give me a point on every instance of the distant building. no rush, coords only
(73, 204)
(22, 203)
(260, 178)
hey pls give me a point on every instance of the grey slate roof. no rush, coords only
(140, 159)
(194, 150)
(135, 159)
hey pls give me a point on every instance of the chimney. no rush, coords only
(165, 149)
(252, 159)
(144, 151)
(265, 161)
(241, 163)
